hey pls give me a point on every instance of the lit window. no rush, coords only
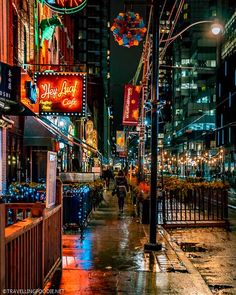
(211, 63)
(185, 61)
(221, 120)
(185, 16)
(230, 96)
(213, 13)
(188, 86)
(204, 99)
(186, 6)
(220, 87)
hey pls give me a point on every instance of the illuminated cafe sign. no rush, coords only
(61, 93)
(65, 6)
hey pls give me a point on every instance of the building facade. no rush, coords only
(92, 48)
(191, 134)
(226, 105)
(36, 39)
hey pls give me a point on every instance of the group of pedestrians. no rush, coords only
(120, 188)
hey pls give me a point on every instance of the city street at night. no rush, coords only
(110, 258)
(118, 147)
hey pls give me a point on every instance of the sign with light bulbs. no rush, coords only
(61, 93)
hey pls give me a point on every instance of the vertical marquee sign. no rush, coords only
(131, 105)
(65, 6)
(61, 93)
(120, 141)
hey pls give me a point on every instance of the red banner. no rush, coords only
(131, 105)
(61, 93)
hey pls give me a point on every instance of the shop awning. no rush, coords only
(39, 131)
(36, 134)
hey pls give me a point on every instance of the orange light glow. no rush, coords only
(61, 92)
(34, 107)
(69, 3)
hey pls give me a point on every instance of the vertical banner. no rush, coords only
(131, 105)
(120, 141)
(91, 134)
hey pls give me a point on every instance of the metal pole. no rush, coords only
(154, 100)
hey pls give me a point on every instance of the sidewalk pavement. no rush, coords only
(111, 260)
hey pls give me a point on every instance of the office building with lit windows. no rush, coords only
(92, 49)
(192, 128)
(226, 104)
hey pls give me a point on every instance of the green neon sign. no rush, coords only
(65, 6)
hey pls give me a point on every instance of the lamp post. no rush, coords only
(152, 245)
(216, 29)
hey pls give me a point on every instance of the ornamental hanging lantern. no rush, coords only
(128, 29)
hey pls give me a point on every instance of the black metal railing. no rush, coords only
(187, 207)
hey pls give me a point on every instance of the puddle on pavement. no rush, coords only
(172, 269)
(192, 247)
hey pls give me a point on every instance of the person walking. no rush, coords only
(107, 175)
(121, 189)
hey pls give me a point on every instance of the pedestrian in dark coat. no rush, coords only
(121, 189)
(107, 175)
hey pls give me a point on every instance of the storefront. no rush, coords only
(10, 131)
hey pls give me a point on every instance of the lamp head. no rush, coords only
(216, 29)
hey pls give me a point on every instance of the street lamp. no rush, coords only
(152, 245)
(216, 29)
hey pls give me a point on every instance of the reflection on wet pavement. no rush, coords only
(111, 242)
(111, 260)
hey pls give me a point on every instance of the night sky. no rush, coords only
(124, 62)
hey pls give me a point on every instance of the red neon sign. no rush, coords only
(61, 93)
(69, 3)
(33, 106)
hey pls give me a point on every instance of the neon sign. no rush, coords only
(66, 6)
(61, 93)
(29, 101)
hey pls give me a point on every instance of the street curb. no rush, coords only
(188, 264)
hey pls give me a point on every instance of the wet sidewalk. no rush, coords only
(111, 260)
